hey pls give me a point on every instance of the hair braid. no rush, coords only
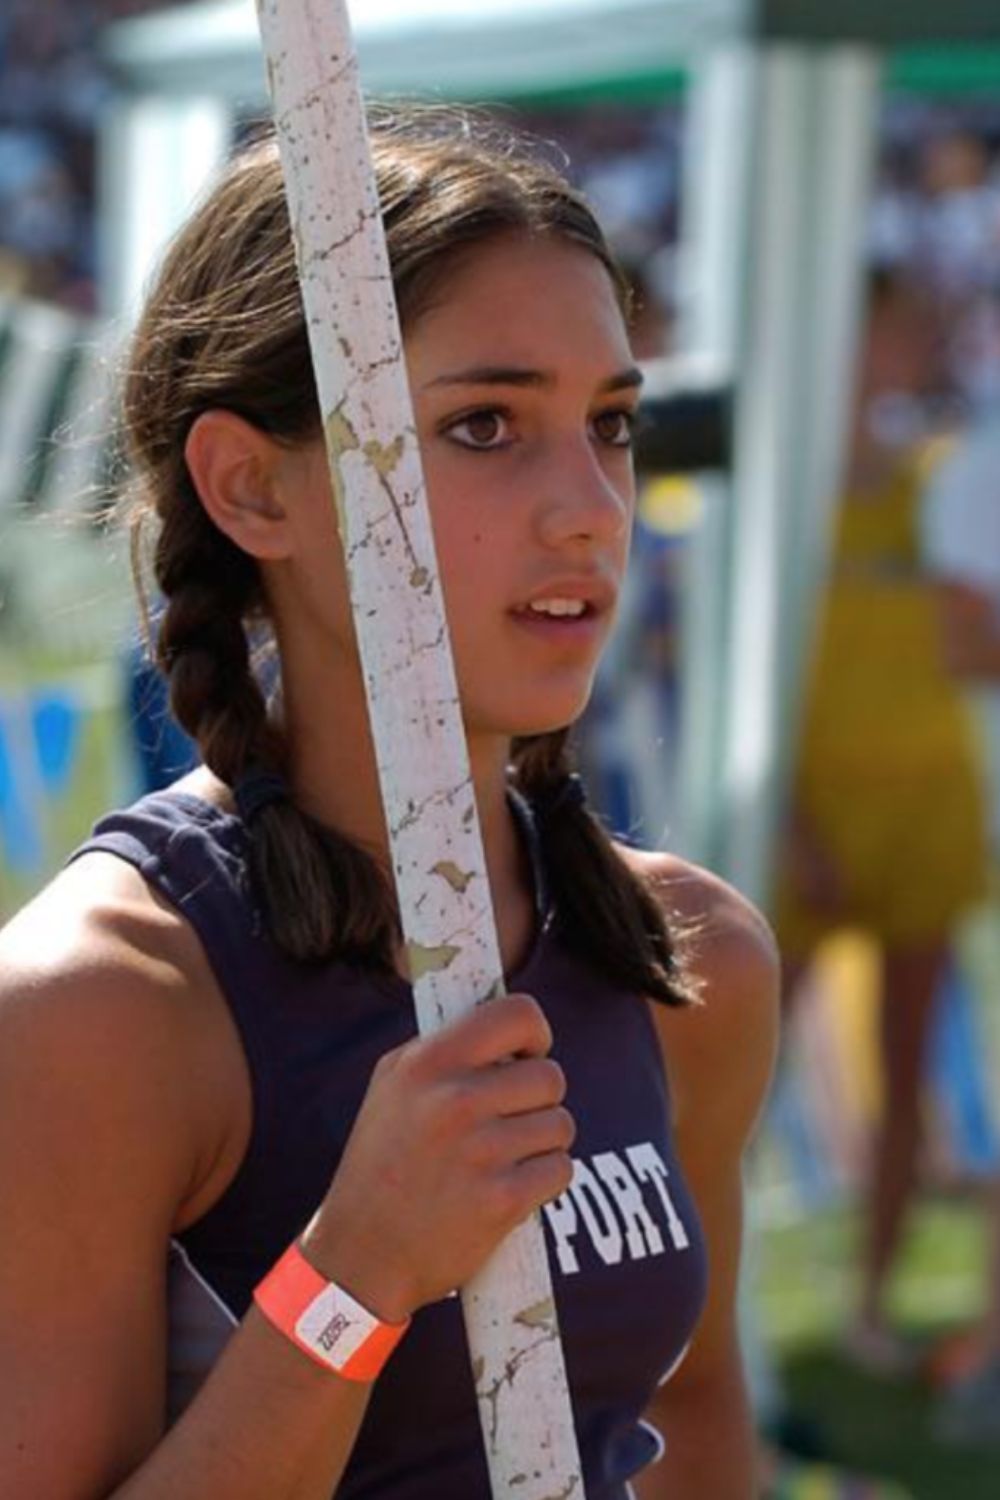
(320, 894)
(210, 587)
(606, 913)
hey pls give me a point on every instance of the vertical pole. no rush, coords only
(406, 660)
(765, 462)
(815, 142)
(846, 94)
(718, 153)
(40, 344)
(156, 155)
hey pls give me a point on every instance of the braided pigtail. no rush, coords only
(320, 894)
(606, 913)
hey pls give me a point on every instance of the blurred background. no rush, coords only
(804, 693)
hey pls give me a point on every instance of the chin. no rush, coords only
(546, 716)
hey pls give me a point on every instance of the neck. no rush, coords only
(334, 778)
(870, 460)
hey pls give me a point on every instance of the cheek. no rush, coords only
(468, 550)
(322, 591)
(323, 571)
(471, 572)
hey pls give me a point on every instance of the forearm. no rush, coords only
(710, 1447)
(977, 661)
(970, 631)
(268, 1424)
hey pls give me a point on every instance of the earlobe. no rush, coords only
(233, 467)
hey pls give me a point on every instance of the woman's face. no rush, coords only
(524, 391)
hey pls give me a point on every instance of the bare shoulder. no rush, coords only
(95, 943)
(728, 940)
(108, 1012)
(724, 1048)
(115, 1119)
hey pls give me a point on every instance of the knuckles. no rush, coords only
(554, 1080)
(562, 1173)
(458, 1107)
(505, 1202)
(565, 1129)
(398, 1061)
(554, 1176)
(531, 1022)
(512, 1196)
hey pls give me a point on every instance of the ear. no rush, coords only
(234, 467)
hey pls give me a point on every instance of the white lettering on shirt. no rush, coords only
(620, 1202)
(597, 1213)
(562, 1221)
(640, 1229)
(651, 1167)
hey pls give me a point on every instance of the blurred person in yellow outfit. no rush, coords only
(886, 828)
(961, 541)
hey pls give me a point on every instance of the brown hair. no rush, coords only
(224, 327)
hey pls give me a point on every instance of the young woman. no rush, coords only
(207, 1050)
(887, 786)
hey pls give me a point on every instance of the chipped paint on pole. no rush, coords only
(427, 793)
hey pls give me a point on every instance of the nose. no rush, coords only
(584, 499)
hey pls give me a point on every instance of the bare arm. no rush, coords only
(970, 631)
(720, 1058)
(104, 1141)
(109, 1132)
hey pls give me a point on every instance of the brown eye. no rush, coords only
(481, 429)
(616, 428)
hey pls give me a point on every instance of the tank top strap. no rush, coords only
(195, 855)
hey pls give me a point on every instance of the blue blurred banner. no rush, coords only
(40, 737)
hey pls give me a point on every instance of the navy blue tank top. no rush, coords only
(626, 1251)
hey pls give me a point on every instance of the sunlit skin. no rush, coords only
(525, 391)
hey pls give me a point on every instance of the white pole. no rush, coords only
(71, 478)
(41, 344)
(413, 702)
(156, 155)
(765, 469)
(846, 99)
(817, 115)
(715, 217)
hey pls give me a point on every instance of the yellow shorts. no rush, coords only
(909, 847)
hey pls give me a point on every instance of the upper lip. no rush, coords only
(596, 591)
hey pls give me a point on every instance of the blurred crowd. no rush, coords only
(937, 207)
(937, 215)
(52, 89)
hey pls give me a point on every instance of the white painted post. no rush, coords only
(814, 151)
(41, 341)
(412, 695)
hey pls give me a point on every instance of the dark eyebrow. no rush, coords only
(520, 376)
(625, 380)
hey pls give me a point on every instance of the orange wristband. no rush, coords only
(325, 1321)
